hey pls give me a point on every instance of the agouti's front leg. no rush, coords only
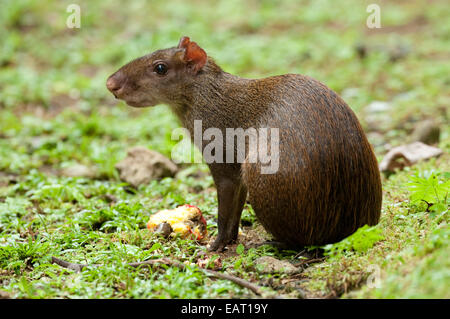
(231, 194)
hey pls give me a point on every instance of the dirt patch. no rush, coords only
(39, 110)
(349, 281)
(7, 179)
(253, 237)
(48, 170)
(61, 101)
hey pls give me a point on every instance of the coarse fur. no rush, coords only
(328, 183)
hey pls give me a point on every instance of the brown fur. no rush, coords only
(328, 183)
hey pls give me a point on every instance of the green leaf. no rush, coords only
(360, 241)
(240, 249)
(429, 187)
(154, 247)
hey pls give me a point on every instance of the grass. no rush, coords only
(56, 112)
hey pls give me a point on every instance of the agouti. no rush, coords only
(327, 184)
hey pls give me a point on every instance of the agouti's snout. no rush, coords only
(115, 84)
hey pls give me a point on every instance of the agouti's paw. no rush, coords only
(218, 245)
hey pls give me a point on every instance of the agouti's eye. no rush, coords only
(161, 69)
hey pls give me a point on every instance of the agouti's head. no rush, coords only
(158, 77)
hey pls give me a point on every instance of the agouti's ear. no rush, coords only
(194, 56)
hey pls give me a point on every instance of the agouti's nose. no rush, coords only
(114, 83)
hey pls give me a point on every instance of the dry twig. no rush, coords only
(169, 262)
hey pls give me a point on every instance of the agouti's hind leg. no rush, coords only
(231, 197)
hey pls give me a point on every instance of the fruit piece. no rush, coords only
(184, 220)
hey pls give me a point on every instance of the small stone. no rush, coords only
(78, 170)
(143, 165)
(349, 93)
(270, 265)
(378, 106)
(427, 132)
(378, 121)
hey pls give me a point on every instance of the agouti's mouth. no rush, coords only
(141, 103)
(131, 103)
(135, 104)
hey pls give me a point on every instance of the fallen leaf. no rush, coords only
(407, 155)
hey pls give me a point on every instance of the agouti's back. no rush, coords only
(328, 183)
